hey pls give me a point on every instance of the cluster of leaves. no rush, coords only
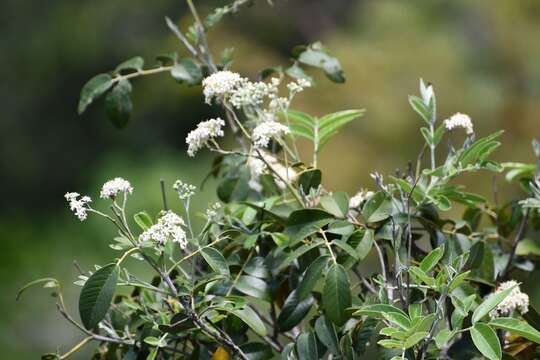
(280, 272)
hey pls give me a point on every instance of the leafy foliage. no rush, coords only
(279, 269)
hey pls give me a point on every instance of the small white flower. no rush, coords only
(212, 212)
(113, 187)
(298, 86)
(250, 94)
(184, 190)
(205, 131)
(78, 204)
(516, 300)
(359, 198)
(168, 227)
(220, 85)
(460, 120)
(266, 131)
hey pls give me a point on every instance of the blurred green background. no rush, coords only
(483, 57)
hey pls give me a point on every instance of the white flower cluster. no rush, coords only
(113, 187)
(359, 198)
(516, 300)
(78, 204)
(267, 130)
(168, 227)
(253, 93)
(212, 212)
(220, 84)
(184, 190)
(298, 86)
(459, 120)
(205, 131)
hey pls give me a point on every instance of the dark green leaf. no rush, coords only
(306, 346)
(253, 286)
(336, 294)
(305, 222)
(336, 204)
(187, 71)
(215, 260)
(294, 311)
(118, 104)
(94, 88)
(310, 179)
(327, 334)
(311, 277)
(96, 295)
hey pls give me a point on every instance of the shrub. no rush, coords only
(276, 270)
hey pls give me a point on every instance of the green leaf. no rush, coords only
(377, 208)
(253, 286)
(306, 346)
(458, 280)
(250, 317)
(187, 71)
(305, 222)
(294, 311)
(486, 341)
(376, 310)
(311, 276)
(489, 304)
(233, 189)
(517, 327)
(96, 295)
(301, 250)
(432, 259)
(398, 319)
(443, 337)
(336, 204)
(336, 294)
(366, 244)
(47, 283)
(331, 123)
(118, 105)
(215, 260)
(421, 109)
(414, 339)
(310, 179)
(421, 275)
(327, 334)
(143, 220)
(94, 88)
(134, 64)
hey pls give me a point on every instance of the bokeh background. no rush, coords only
(483, 57)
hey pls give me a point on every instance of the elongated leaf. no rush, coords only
(331, 123)
(143, 220)
(253, 286)
(414, 339)
(311, 276)
(421, 109)
(432, 259)
(517, 327)
(118, 104)
(187, 71)
(301, 250)
(96, 295)
(306, 346)
(486, 341)
(251, 319)
(398, 319)
(336, 294)
(376, 310)
(301, 118)
(327, 334)
(94, 88)
(305, 222)
(294, 311)
(215, 260)
(489, 304)
(377, 208)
